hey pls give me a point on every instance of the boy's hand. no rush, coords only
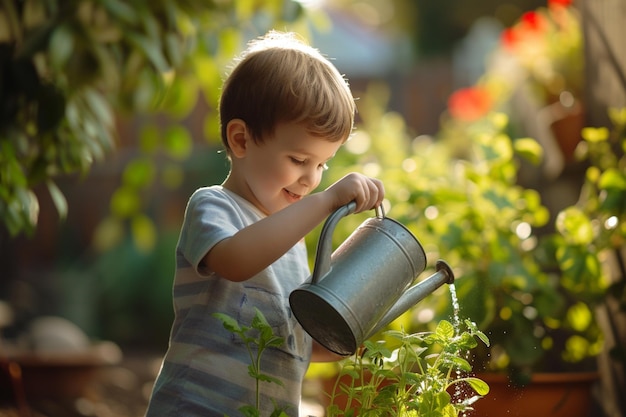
(367, 192)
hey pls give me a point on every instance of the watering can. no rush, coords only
(364, 284)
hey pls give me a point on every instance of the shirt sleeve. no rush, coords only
(210, 217)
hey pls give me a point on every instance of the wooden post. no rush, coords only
(604, 31)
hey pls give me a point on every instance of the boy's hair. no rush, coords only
(281, 79)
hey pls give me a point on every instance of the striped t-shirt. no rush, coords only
(205, 369)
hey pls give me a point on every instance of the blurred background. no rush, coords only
(109, 124)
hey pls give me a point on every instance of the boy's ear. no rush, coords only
(237, 135)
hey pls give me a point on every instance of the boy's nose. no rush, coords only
(310, 178)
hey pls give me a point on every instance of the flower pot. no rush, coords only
(567, 123)
(548, 395)
(60, 376)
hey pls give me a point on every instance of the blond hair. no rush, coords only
(279, 78)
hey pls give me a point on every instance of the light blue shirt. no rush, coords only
(205, 369)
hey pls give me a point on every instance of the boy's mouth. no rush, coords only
(293, 196)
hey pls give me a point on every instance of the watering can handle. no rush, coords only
(324, 246)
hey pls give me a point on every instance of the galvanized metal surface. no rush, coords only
(361, 286)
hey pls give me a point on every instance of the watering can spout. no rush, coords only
(416, 293)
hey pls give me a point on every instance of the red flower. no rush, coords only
(563, 3)
(530, 26)
(469, 104)
(510, 39)
(533, 22)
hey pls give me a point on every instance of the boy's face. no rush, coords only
(284, 168)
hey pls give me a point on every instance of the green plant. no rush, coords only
(69, 68)
(482, 221)
(533, 294)
(587, 246)
(401, 375)
(421, 376)
(597, 222)
(459, 194)
(538, 290)
(257, 337)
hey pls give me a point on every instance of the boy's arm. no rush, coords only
(257, 246)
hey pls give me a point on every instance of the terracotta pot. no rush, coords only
(548, 395)
(566, 126)
(58, 375)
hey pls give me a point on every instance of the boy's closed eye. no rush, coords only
(297, 161)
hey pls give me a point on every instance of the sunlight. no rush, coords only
(312, 4)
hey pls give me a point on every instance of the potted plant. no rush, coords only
(588, 250)
(460, 196)
(406, 374)
(578, 256)
(540, 63)
(482, 221)
(530, 277)
(421, 373)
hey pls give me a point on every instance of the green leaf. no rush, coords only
(259, 321)
(229, 323)
(581, 269)
(144, 232)
(279, 413)
(618, 116)
(109, 233)
(230, 40)
(613, 201)
(249, 411)
(575, 226)
(151, 49)
(125, 202)
(612, 178)
(178, 142)
(29, 205)
(269, 378)
(100, 108)
(139, 173)
(61, 47)
(595, 134)
(12, 19)
(579, 316)
(182, 97)
(449, 411)
(122, 11)
(445, 330)
(478, 385)
(57, 198)
(530, 149)
(461, 363)
(174, 47)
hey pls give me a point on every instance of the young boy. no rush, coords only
(285, 110)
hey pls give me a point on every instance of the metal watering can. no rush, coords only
(364, 284)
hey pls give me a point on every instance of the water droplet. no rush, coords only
(456, 307)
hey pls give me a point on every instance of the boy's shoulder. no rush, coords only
(218, 196)
(213, 190)
(214, 195)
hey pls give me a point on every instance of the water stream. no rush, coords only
(459, 394)
(456, 309)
